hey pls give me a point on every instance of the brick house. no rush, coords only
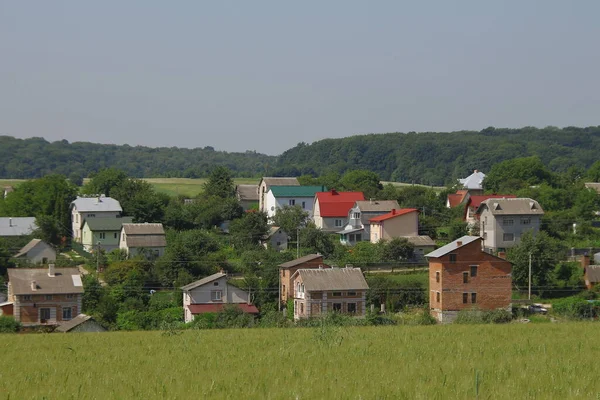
(591, 272)
(287, 269)
(463, 276)
(43, 296)
(319, 291)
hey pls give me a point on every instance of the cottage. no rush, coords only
(397, 223)
(473, 183)
(17, 226)
(83, 208)
(44, 296)
(37, 252)
(247, 195)
(211, 294)
(331, 208)
(81, 323)
(276, 238)
(287, 269)
(104, 233)
(358, 227)
(266, 183)
(591, 272)
(301, 196)
(143, 239)
(463, 276)
(319, 291)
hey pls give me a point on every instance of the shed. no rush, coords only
(81, 323)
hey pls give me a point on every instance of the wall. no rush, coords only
(230, 293)
(494, 229)
(90, 239)
(314, 304)
(78, 219)
(273, 203)
(285, 276)
(403, 225)
(28, 312)
(41, 251)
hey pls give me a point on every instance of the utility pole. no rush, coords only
(298, 243)
(529, 296)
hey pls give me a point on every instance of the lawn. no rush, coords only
(515, 361)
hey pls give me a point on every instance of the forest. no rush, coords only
(430, 158)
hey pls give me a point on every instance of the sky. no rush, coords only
(266, 75)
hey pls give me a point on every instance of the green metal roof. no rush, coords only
(107, 224)
(297, 191)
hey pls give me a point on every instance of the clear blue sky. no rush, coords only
(257, 75)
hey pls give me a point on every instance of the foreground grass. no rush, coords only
(437, 362)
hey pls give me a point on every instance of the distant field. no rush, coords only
(515, 361)
(11, 182)
(401, 184)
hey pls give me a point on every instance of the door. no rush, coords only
(44, 315)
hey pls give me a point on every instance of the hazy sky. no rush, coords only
(257, 75)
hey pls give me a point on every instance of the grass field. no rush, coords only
(516, 361)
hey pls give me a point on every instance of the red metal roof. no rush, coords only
(214, 308)
(337, 204)
(475, 201)
(393, 214)
(455, 199)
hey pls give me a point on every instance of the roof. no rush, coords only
(517, 206)
(393, 214)
(143, 229)
(593, 185)
(337, 204)
(213, 308)
(300, 260)
(333, 279)
(442, 251)
(377, 205)
(593, 273)
(279, 181)
(203, 281)
(71, 324)
(27, 248)
(146, 241)
(349, 230)
(66, 280)
(455, 199)
(475, 201)
(107, 224)
(17, 226)
(272, 231)
(247, 192)
(99, 204)
(473, 181)
(296, 191)
(420, 240)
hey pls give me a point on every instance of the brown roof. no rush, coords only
(300, 260)
(519, 206)
(420, 240)
(144, 235)
(247, 192)
(65, 281)
(270, 181)
(143, 229)
(593, 273)
(377, 205)
(333, 279)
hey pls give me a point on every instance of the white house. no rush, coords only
(358, 227)
(143, 238)
(37, 251)
(211, 294)
(83, 208)
(266, 183)
(301, 196)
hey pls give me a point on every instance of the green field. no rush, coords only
(515, 361)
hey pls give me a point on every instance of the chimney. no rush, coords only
(475, 171)
(333, 192)
(33, 285)
(51, 272)
(459, 243)
(393, 211)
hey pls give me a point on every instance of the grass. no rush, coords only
(514, 361)
(405, 278)
(11, 182)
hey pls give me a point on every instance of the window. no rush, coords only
(352, 308)
(216, 283)
(115, 235)
(473, 298)
(102, 235)
(48, 297)
(356, 215)
(301, 308)
(485, 221)
(283, 289)
(351, 293)
(336, 294)
(465, 298)
(337, 307)
(292, 202)
(465, 277)
(70, 296)
(27, 297)
(358, 237)
(44, 314)
(473, 271)
(452, 258)
(303, 204)
(338, 222)
(278, 243)
(507, 222)
(437, 297)
(91, 215)
(216, 295)
(525, 221)
(67, 313)
(508, 237)
(437, 277)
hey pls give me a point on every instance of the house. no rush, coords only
(83, 208)
(504, 221)
(593, 185)
(266, 183)
(456, 199)
(591, 272)
(17, 226)
(6, 190)
(247, 195)
(423, 244)
(44, 296)
(37, 252)
(287, 269)
(211, 294)
(143, 238)
(358, 227)
(102, 233)
(331, 208)
(81, 323)
(473, 203)
(463, 276)
(397, 223)
(473, 183)
(301, 196)
(320, 291)
(276, 238)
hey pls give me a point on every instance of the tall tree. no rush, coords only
(220, 183)
(291, 219)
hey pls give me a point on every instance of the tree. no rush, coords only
(104, 181)
(220, 183)
(291, 219)
(398, 249)
(362, 181)
(315, 240)
(518, 173)
(48, 230)
(250, 229)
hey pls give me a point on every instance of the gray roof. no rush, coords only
(247, 192)
(442, 251)
(203, 281)
(333, 279)
(377, 205)
(99, 204)
(107, 224)
(33, 243)
(593, 273)
(65, 281)
(518, 206)
(274, 181)
(300, 260)
(473, 181)
(143, 229)
(420, 240)
(75, 322)
(17, 226)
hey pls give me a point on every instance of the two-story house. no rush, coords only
(463, 276)
(211, 294)
(43, 296)
(402, 223)
(265, 184)
(287, 269)
(143, 239)
(104, 233)
(320, 291)
(473, 203)
(301, 196)
(83, 208)
(504, 221)
(331, 208)
(358, 227)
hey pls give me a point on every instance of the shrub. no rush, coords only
(274, 319)
(9, 324)
(475, 316)
(576, 307)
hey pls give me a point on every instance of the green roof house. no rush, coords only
(102, 232)
(302, 196)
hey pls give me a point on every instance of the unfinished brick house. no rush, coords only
(463, 276)
(44, 296)
(286, 270)
(319, 291)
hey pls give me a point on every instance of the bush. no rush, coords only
(416, 316)
(274, 319)
(230, 317)
(576, 307)
(9, 324)
(475, 316)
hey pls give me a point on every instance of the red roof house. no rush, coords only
(331, 208)
(455, 199)
(475, 201)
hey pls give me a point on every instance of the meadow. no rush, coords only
(514, 361)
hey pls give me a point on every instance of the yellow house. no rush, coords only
(397, 223)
